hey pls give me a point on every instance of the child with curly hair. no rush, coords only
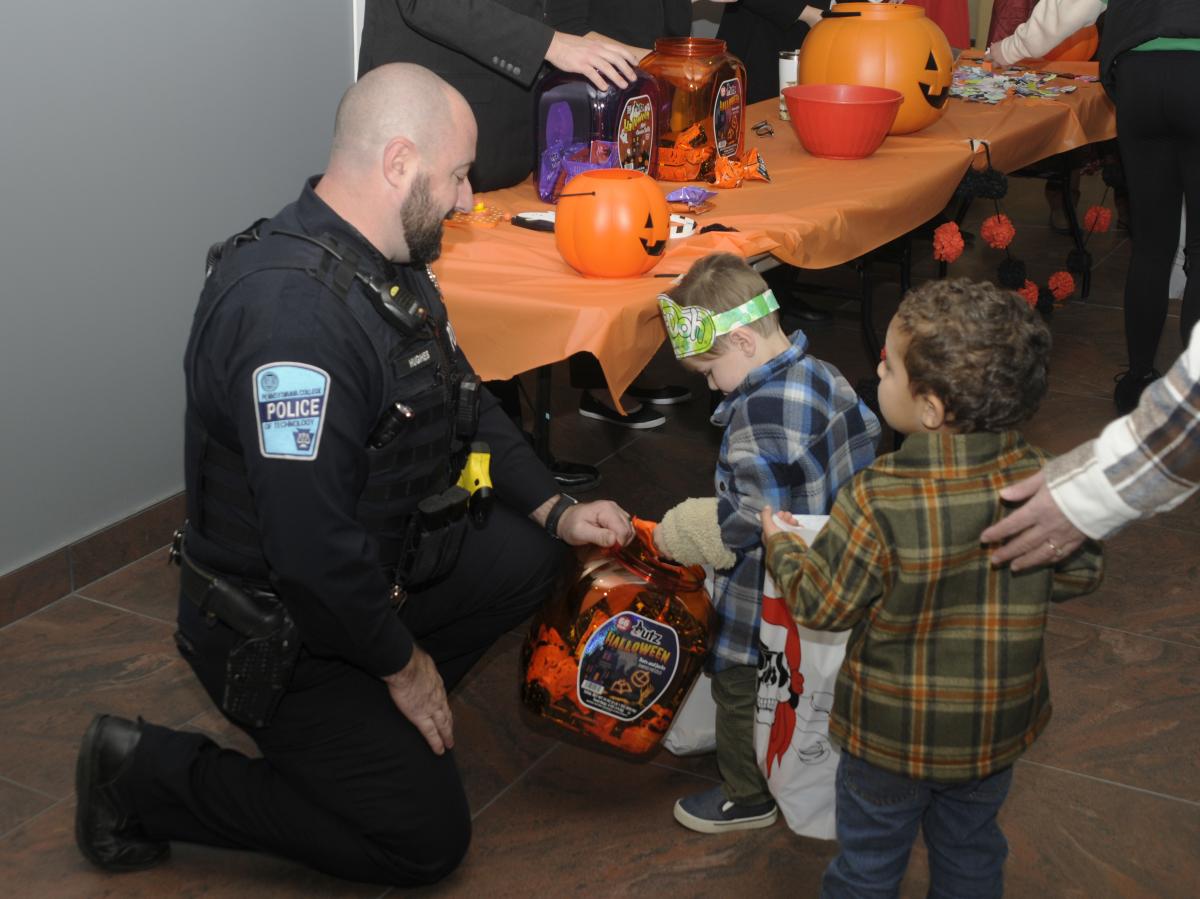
(944, 681)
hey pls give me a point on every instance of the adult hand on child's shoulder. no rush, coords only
(1037, 533)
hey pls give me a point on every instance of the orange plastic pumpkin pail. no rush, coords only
(883, 45)
(612, 223)
(1079, 47)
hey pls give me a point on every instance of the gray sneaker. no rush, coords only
(711, 812)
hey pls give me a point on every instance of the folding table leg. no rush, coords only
(572, 477)
(541, 414)
(870, 338)
(1072, 215)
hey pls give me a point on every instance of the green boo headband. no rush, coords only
(693, 330)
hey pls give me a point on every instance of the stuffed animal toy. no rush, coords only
(689, 533)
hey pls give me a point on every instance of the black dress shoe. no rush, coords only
(1129, 389)
(106, 831)
(639, 418)
(667, 395)
(573, 477)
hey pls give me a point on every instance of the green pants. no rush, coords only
(734, 690)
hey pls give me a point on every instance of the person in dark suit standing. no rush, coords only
(641, 22)
(492, 51)
(756, 30)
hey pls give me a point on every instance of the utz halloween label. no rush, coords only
(727, 116)
(627, 665)
(635, 133)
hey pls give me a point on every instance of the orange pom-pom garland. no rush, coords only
(1029, 293)
(998, 231)
(1062, 285)
(947, 242)
(1097, 219)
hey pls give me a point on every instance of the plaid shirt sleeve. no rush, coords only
(1079, 573)
(1143, 463)
(831, 585)
(791, 444)
(754, 466)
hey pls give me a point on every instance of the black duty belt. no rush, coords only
(249, 612)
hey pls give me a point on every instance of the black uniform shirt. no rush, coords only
(281, 336)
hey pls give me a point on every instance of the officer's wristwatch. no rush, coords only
(556, 512)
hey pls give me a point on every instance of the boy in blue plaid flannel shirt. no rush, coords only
(795, 431)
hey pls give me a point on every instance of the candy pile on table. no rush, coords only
(976, 84)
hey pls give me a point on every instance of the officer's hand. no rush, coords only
(602, 523)
(419, 694)
(597, 59)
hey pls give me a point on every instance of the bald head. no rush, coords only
(403, 145)
(396, 100)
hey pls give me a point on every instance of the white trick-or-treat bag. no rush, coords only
(797, 669)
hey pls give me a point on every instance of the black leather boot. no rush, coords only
(106, 831)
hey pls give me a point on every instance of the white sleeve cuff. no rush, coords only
(1089, 501)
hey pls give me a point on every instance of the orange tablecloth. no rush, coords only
(516, 305)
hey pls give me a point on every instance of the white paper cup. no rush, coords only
(788, 60)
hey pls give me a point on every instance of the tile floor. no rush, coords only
(1106, 804)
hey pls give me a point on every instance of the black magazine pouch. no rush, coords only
(437, 529)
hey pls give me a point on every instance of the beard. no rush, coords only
(422, 223)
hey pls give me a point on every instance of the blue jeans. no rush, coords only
(877, 818)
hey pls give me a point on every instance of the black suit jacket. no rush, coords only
(756, 30)
(491, 51)
(640, 22)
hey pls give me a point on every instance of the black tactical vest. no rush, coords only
(401, 472)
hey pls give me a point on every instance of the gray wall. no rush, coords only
(133, 134)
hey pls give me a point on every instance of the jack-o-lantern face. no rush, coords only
(883, 45)
(612, 223)
(931, 81)
(650, 243)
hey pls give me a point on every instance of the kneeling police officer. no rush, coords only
(341, 567)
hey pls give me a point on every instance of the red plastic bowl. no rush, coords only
(841, 121)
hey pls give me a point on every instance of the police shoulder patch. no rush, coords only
(289, 400)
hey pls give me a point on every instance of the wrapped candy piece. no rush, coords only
(590, 157)
(481, 215)
(560, 163)
(690, 159)
(550, 172)
(691, 196)
(731, 172)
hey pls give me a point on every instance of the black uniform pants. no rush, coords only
(1158, 128)
(345, 783)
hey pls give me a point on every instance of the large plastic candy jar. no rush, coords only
(577, 128)
(883, 45)
(612, 656)
(702, 84)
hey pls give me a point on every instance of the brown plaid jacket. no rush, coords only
(944, 677)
